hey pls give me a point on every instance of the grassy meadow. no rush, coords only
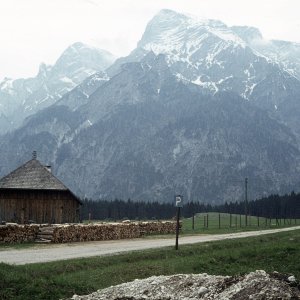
(215, 223)
(56, 280)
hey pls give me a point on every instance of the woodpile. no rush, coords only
(110, 231)
(14, 233)
(45, 234)
(94, 232)
(163, 227)
(58, 233)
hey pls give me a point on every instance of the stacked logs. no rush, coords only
(96, 232)
(110, 231)
(164, 227)
(65, 233)
(14, 233)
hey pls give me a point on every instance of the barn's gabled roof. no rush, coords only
(32, 175)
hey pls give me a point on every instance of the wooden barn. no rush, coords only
(32, 193)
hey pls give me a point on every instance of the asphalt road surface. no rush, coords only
(54, 252)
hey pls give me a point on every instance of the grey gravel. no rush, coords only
(255, 285)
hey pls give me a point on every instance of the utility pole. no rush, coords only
(246, 201)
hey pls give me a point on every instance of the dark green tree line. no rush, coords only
(273, 206)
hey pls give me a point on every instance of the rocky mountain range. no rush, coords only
(21, 98)
(194, 109)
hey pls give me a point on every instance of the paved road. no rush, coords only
(54, 252)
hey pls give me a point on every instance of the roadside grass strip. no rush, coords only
(57, 280)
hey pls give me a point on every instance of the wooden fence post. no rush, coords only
(193, 224)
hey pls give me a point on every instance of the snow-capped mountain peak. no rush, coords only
(168, 117)
(169, 31)
(44, 70)
(202, 51)
(247, 33)
(79, 56)
(23, 97)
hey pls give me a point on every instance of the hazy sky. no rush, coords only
(35, 31)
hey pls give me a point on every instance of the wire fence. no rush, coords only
(224, 220)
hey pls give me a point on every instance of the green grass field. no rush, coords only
(211, 223)
(280, 252)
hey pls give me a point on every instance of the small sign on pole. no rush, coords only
(178, 201)
(178, 204)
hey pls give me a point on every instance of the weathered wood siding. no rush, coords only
(23, 206)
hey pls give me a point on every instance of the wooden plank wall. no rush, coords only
(23, 206)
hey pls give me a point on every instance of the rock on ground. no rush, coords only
(256, 285)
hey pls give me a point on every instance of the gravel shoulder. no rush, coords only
(55, 252)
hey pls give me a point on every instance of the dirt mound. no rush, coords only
(255, 285)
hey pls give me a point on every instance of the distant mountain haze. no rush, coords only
(194, 109)
(21, 98)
